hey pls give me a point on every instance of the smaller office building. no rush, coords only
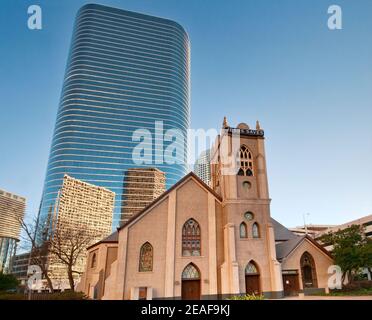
(12, 210)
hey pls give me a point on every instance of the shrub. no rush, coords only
(12, 296)
(247, 297)
(68, 295)
(8, 282)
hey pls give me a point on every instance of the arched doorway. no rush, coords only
(190, 283)
(252, 279)
(308, 270)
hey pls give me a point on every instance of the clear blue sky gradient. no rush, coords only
(271, 60)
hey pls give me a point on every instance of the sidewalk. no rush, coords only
(329, 298)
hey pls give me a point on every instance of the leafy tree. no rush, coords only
(367, 254)
(351, 249)
(8, 282)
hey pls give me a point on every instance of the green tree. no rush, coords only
(367, 254)
(351, 250)
(8, 282)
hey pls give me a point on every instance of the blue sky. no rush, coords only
(276, 61)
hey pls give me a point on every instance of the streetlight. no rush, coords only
(305, 226)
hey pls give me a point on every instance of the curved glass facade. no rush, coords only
(125, 71)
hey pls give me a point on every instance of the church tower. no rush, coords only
(239, 176)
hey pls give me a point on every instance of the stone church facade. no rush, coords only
(207, 242)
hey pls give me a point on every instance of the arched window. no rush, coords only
(191, 238)
(94, 261)
(190, 272)
(255, 230)
(309, 279)
(251, 268)
(243, 230)
(246, 162)
(146, 257)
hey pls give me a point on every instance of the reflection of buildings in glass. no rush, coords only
(12, 208)
(125, 71)
(141, 187)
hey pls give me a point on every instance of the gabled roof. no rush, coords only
(175, 186)
(284, 249)
(112, 238)
(281, 233)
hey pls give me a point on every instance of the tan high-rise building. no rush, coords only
(12, 209)
(80, 205)
(141, 187)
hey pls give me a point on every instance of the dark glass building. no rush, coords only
(125, 71)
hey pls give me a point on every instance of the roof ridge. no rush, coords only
(164, 194)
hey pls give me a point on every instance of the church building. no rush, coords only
(209, 242)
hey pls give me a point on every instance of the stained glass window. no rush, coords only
(251, 268)
(255, 230)
(191, 238)
(308, 270)
(190, 272)
(146, 257)
(243, 230)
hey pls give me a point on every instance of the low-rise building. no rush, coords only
(12, 210)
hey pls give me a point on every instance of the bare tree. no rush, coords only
(38, 247)
(68, 247)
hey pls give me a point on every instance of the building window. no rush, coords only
(146, 257)
(142, 293)
(191, 238)
(243, 230)
(246, 162)
(94, 261)
(251, 268)
(248, 215)
(308, 270)
(246, 185)
(255, 230)
(190, 272)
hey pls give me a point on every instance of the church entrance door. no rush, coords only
(291, 284)
(252, 279)
(252, 284)
(190, 289)
(191, 282)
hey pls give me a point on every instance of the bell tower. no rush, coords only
(239, 175)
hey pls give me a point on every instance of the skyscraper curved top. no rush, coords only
(125, 71)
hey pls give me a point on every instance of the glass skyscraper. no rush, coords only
(125, 71)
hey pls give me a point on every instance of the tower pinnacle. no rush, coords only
(225, 124)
